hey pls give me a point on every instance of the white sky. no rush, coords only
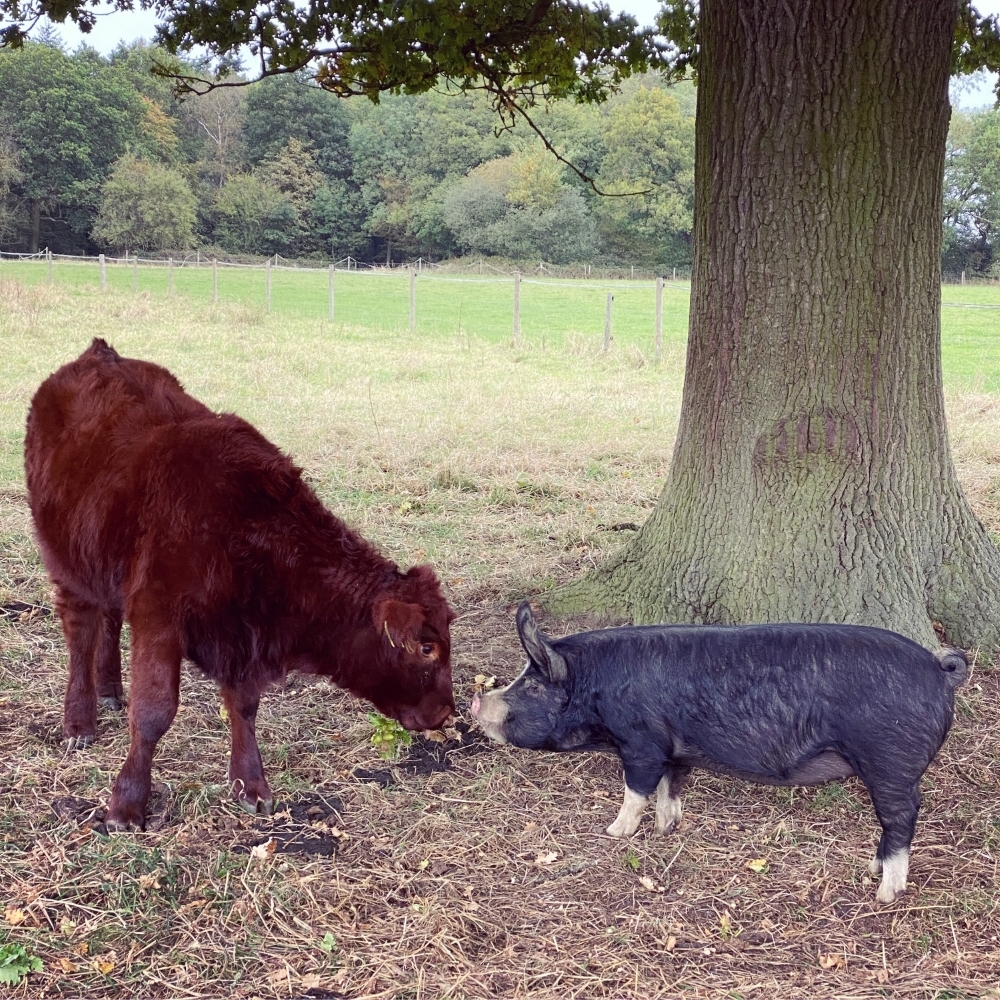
(127, 26)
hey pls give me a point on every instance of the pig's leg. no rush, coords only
(668, 800)
(246, 769)
(897, 810)
(642, 773)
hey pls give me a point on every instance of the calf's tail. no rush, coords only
(954, 664)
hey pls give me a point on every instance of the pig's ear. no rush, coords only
(537, 645)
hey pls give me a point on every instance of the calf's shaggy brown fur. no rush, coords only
(191, 526)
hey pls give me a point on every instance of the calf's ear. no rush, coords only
(398, 621)
(537, 645)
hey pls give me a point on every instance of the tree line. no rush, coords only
(98, 154)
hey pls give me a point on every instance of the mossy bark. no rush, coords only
(811, 477)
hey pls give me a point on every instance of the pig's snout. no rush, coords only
(490, 711)
(475, 706)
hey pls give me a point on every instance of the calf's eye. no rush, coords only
(427, 649)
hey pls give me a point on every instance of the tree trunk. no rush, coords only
(36, 224)
(811, 477)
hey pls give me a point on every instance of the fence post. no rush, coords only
(332, 270)
(104, 277)
(413, 300)
(659, 317)
(607, 323)
(633, 272)
(135, 275)
(48, 254)
(267, 283)
(170, 276)
(215, 282)
(963, 277)
(517, 308)
(675, 274)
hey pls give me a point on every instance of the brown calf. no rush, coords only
(188, 524)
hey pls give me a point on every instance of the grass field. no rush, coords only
(464, 870)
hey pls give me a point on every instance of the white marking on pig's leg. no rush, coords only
(875, 866)
(895, 868)
(668, 807)
(627, 820)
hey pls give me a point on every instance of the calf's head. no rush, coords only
(411, 679)
(526, 712)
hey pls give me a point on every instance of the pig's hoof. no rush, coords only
(875, 866)
(111, 703)
(78, 742)
(888, 894)
(622, 828)
(668, 815)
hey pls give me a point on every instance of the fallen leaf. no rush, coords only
(339, 834)
(882, 975)
(66, 965)
(14, 916)
(265, 851)
(104, 965)
(647, 883)
(546, 859)
(671, 943)
(832, 961)
(67, 926)
(453, 734)
(485, 682)
(471, 906)
(281, 976)
(758, 865)
(435, 736)
(725, 922)
(81, 949)
(149, 881)
(423, 865)
(223, 713)
(310, 982)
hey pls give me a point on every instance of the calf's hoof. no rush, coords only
(111, 702)
(124, 821)
(257, 807)
(80, 742)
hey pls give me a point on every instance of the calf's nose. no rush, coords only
(474, 707)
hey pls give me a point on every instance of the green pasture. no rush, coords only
(555, 313)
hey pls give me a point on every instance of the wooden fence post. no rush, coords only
(413, 300)
(170, 276)
(675, 274)
(332, 270)
(517, 308)
(659, 317)
(267, 283)
(135, 275)
(104, 277)
(963, 277)
(215, 282)
(48, 253)
(607, 323)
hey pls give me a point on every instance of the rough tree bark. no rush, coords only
(811, 477)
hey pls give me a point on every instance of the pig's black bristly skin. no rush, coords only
(781, 704)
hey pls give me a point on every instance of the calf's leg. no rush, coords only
(81, 622)
(108, 665)
(246, 769)
(156, 676)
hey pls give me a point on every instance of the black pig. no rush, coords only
(786, 704)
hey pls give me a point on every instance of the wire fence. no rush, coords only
(480, 290)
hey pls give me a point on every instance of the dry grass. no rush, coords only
(467, 870)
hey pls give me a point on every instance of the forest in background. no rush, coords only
(98, 154)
